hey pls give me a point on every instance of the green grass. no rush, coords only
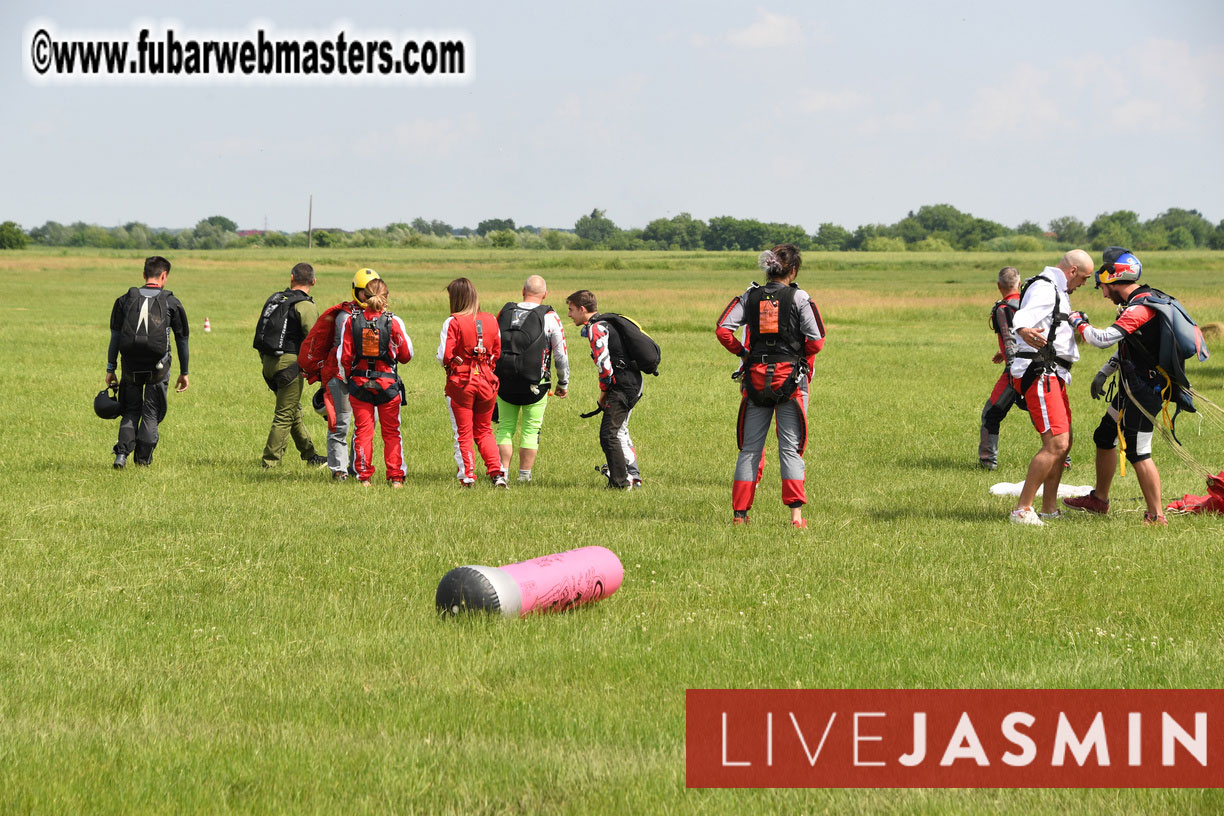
(207, 636)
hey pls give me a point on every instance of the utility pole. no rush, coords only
(310, 224)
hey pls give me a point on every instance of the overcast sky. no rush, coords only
(801, 112)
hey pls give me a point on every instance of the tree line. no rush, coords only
(932, 228)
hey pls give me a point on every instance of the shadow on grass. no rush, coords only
(944, 462)
(950, 514)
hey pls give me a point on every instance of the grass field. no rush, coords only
(204, 635)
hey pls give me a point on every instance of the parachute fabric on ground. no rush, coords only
(1213, 502)
(1014, 488)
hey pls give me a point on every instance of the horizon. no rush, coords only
(779, 112)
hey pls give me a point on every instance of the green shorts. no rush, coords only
(508, 420)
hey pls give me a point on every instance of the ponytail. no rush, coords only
(377, 295)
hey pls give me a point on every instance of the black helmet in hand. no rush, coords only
(106, 405)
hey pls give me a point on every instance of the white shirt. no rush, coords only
(1035, 312)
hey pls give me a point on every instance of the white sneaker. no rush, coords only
(1026, 516)
(1057, 514)
(500, 481)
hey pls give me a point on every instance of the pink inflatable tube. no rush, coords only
(550, 583)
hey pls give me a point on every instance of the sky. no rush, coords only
(796, 112)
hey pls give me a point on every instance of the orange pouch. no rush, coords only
(769, 317)
(369, 342)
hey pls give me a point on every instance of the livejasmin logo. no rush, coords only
(955, 738)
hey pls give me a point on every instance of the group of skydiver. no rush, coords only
(498, 375)
(1038, 333)
(494, 365)
(501, 365)
(498, 371)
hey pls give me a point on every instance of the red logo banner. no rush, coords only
(955, 738)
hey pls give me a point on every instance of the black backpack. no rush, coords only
(371, 344)
(642, 353)
(775, 352)
(145, 334)
(524, 343)
(275, 333)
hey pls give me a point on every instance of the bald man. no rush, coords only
(1041, 371)
(532, 336)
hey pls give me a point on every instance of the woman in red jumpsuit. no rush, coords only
(468, 349)
(372, 343)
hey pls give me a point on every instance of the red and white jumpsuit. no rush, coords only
(791, 416)
(468, 349)
(400, 350)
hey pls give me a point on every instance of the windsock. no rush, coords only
(550, 583)
(207, 326)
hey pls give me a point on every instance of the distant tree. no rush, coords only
(831, 238)
(221, 222)
(596, 228)
(865, 232)
(440, 228)
(275, 239)
(930, 244)
(504, 239)
(559, 239)
(88, 235)
(420, 225)
(660, 231)
(942, 218)
(12, 236)
(1118, 228)
(679, 232)
(208, 235)
(787, 234)
(1069, 230)
(944, 221)
(139, 235)
(1182, 238)
(977, 232)
(51, 233)
(493, 225)
(323, 238)
(626, 239)
(1030, 228)
(1150, 236)
(910, 229)
(881, 243)
(726, 232)
(753, 235)
(119, 238)
(1216, 239)
(1200, 228)
(722, 233)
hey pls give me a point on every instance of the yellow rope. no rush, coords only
(1176, 446)
(1166, 394)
